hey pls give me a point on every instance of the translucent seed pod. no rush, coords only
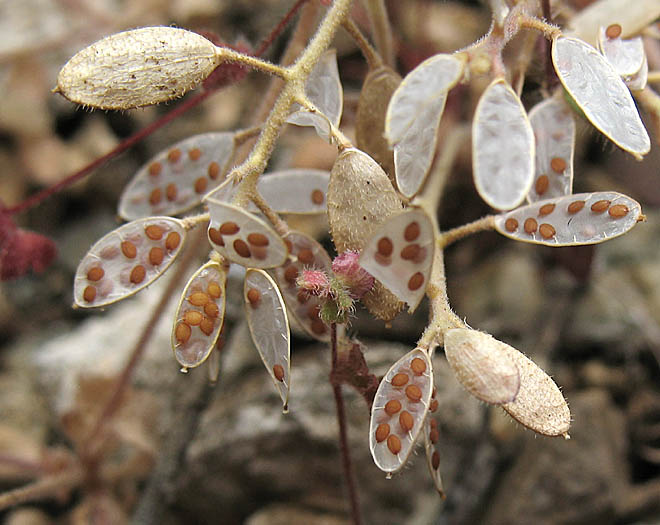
(137, 68)
(503, 148)
(625, 55)
(572, 220)
(199, 316)
(600, 93)
(301, 191)
(482, 365)
(431, 432)
(360, 198)
(400, 255)
(399, 410)
(269, 327)
(126, 260)
(176, 179)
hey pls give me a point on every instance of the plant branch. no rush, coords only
(486, 223)
(227, 54)
(49, 486)
(382, 30)
(374, 60)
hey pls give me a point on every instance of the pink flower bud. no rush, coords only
(356, 278)
(314, 282)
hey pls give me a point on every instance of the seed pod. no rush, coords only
(482, 365)
(295, 191)
(137, 68)
(360, 198)
(432, 448)
(375, 96)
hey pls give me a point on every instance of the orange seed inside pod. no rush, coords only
(546, 209)
(600, 206)
(435, 460)
(542, 184)
(558, 165)
(216, 237)
(171, 192)
(214, 170)
(385, 246)
(89, 294)
(318, 197)
(206, 326)
(156, 255)
(406, 421)
(418, 366)
(434, 435)
(154, 232)
(257, 239)
(128, 249)
(174, 155)
(214, 290)
(414, 393)
(382, 431)
(155, 169)
(618, 210)
(172, 241)
(155, 196)
(241, 248)
(253, 297)
(211, 310)
(95, 274)
(318, 327)
(547, 231)
(198, 299)
(399, 379)
(229, 228)
(410, 252)
(416, 281)
(434, 405)
(411, 232)
(392, 407)
(511, 224)
(291, 274)
(200, 184)
(193, 317)
(306, 256)
(194, 154)
(575, 207)
(137, 274)
(182, 333)
(530, 225)
(394, 444)
(613, 31)
(278, 372)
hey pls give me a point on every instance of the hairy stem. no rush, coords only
(373, 59)
(382, 30)
(486, 223)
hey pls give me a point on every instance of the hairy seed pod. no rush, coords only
(137, 68)
(360, 198)
(372, 110)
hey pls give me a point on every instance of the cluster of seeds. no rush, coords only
(431, 444)
(126, 260)
(199, 317)
(400, 407)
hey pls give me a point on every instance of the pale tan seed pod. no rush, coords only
(378, 87)
(137, 68)
(360, 198)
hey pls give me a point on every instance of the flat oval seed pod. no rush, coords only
(202, 299)
(269, 327)
(244, 238)
(432, 449)
(539, 405)
(554, 132)
(482, 365)
(137, 68)
(126, 260)
(412, 397)
(360, 198)
(638, 81)
(323, 89)
(295, 191)
(600, 93)
(502, 147)
(583, 218)
(193, 167)
(400, 255)
(413, 117)
(305, 253)
(626, 56)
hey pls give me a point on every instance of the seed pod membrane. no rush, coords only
(482, 365)
(401, 402)
(626, 56)
(377, 90)
(137, 68)
(176, 179)
(600, 93)
(432, 449)
(502, 147)
(360, 198)
(269, 327)
(295, 191)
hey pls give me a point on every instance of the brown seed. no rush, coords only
(530, 225)
(278, 372)
(216, 237)
(95, 274)
(382, 431)
(257, 239)
(171, 192)
(182, 333)
(306, 256)
(385, 247)
(253, 297)
(416, 281)
(575, 207)
(211, 310)
(392, 407)
(618, 210)
(434, 405)
(434, 435)
(198, 299)
(406, 421)
(411, 232)
(172, 241)
(542, 184)
(546, 209)
(155, 169)
(313, 312)
(547, 231)
(156, 255)
(193, 317)
(291, 274)
(155, 233)
(383, 261)
(434, 423)
(214, 170)
(242, 249)
(511, 224)
(137, 274)
(214, 290)
(414, 393)
(418, 366)
(200, 184)
(128, 249)
(194, 154)
(206, 326)
(394, 444)
(613, 31)
(600, 206)
(174, 155)
(318, 197)
(155, 196)
(410, 252)
(399, 379)
(435, 460)
(229, 228)
(558, 165)
(89, 294)
(318, 327)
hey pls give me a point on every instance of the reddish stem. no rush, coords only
(267, 42)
